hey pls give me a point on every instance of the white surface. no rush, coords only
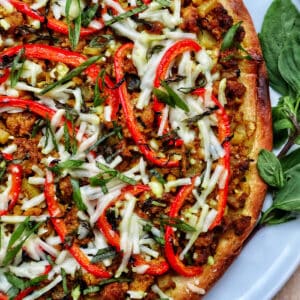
(273, 254)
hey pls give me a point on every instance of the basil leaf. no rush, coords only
(176, 223)
(290, 160)
(73, 27)
(270, 169)
(50, 132)
(17, 68)
(175, 98)
(64, 281)
(96, 288)
(102, 254)
(101, 41)
(279, 22)
(288, 198)
(75, 72)
(228, 40)
(69, 164)
(77, 198)
(88, 15)
(15, 281)
(275, 216)
(126, 15)
(283, 124)
(163, 97)
(289, 61)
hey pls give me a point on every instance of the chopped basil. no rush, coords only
(199, 117)
(102, 254)
(159, 239)
(77, 198)
(67, 138)
(126, 15)
(17, 68)
(101, 41)
(64, 280)
(153, 50)
(75, 72)
(98, 100)
(228, 40)
(75, 26)
(88, 15)
(96, 288)
(158, 176)
(176, 223)
(37, 127)
(170, 97)
(69, 164)
(49, 132)
(21, 234)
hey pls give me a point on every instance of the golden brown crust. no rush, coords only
(256, 109)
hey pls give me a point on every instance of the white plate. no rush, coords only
(273, 254)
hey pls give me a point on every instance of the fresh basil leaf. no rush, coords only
(75, 72)
(69, 164)
(36, 280)
(101, 41)
(288, 197)
(289, 61)
(126, 15)
(279, 136)
(176, 223)
(17, 68)
(105, 253)
(290, 160)
(270, 169)
(15, 281)
(228, 40)
(75, 26)
(163, 97)
(275, 216)
(77, 198)
(97, 288)
(175, 99)
(278, 24)
(282, 125)
(88, 15)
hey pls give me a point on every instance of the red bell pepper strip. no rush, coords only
(51, 23)
(3, 296)
(61, 229)
(156, 267)
(24, 293)
(224, 137)
(131, 122)
(16, 177)
(164, 66)
(4, 76)
(7, 156)
(171, 256)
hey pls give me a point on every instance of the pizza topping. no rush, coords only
(126, 156)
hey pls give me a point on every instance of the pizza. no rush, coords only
(129, 133)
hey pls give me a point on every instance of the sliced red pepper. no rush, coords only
(131, 122)
(4, 76)
(61, 229)
(171, 256)
(224, 137)
(15, 171)
(24, 293)
(7, 156)
(3, 296)
(162, 69)
(156, 267)
(51, 23)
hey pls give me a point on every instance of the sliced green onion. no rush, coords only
(88, 15)
(102, 254)
(176, 223)
(77, 198)
(16, 70)
(64, 280)
(73, 27)
(69, 164)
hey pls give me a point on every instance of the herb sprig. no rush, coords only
(281, 42)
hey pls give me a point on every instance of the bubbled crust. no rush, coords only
(256, 108)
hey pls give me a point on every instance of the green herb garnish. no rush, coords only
(77, 198)
(98, 100)
(69, 164)
(170, 97)
(97, 288)
(88, 15)
(75, 72)
(75, 26)
(17, 68)
(176, 223)
(105, 253)
(126, 15)
(228, 40)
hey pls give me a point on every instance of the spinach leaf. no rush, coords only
(279, 22)
(289, 61)
(270, 169)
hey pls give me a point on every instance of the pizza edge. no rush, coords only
(257, 97)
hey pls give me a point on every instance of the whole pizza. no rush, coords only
(129, 133)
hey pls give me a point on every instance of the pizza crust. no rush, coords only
(256, 108)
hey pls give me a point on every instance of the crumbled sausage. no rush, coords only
(191, 19)
(141, 282)
(166, 282)
(217, 21)
(19, 124)
(114, 291)
(234, 89)
(65, 188)
(241, 224)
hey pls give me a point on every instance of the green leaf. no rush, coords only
(289, 61)
(158, 176)
(88, 15)
(278, 24)
(15, 281)
(69, 164)
(101, 40)
(288, 198)
(283, 124)
(270, 169)
(163, 97)
(126, 15)
(102, 254)
(176, 223)
(77, 198)
(290, 160)
(76, 292)
(16, 235)
(275, 216)
(97, 98)
(64, 281)
(96, 288)
(17, 68)
(75, 26)
(228, 40)
(75, 72)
